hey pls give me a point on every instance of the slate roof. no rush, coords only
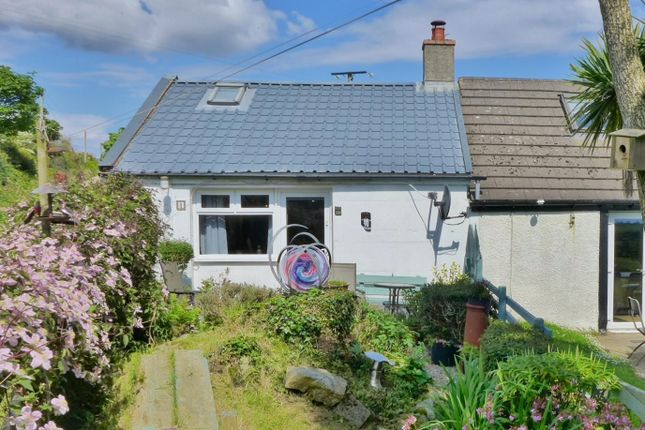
(520, 141)
(297, 129)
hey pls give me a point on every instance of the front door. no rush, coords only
(625, 268)
(310, 210)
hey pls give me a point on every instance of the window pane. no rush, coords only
(628, 267)
(255, 201)
(234, 234)
(216, 201)
(225, 95)
(307, 211)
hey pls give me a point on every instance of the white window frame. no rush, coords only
(241, 89)
(613, 218)
(235, 208)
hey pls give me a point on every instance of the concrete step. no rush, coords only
(155, 401)
(194, 400)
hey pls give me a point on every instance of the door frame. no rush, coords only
(611, 234)
(323, 193)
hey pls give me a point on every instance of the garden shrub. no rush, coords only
(502, 340)
(468, 391)
(179, 318)
(382, 332)
(118, 209)
(555, 390)
(438, 310)
(55, 319)
(552, 386)
(113, 248)
(176, 251)
(217, 295)
(241, 346)
(305, 317)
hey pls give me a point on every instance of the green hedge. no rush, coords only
(502, 340)
(303, 318)
(438, 311)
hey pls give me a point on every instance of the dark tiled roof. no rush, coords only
(519, 139)
(298, 129)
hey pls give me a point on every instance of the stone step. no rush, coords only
(194, 400)
(155, 402)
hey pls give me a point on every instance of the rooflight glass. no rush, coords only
(227, 94)
(570, 109)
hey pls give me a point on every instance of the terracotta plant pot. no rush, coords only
(444, 353)
(476, 323)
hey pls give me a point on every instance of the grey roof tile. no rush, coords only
(335, 128)
(520, 142)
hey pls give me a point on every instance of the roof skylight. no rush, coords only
(227, 94)
(570, 108)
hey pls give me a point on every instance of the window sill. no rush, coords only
(234, 258)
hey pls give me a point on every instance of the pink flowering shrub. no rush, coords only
(54, 319)
(73, 305)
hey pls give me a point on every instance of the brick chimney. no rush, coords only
(438, 55)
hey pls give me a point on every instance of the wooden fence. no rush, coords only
(506, 303)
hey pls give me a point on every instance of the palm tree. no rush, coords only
(597, 112)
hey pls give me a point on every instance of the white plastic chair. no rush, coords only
(635, 313)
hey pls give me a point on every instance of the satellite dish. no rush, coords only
(444, 204)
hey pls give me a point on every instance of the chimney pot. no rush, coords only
(438, 30)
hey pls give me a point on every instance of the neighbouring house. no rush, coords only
(232, 163)
(554, 225)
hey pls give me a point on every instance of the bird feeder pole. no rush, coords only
(43, 170)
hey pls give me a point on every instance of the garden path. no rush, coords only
(622, 344)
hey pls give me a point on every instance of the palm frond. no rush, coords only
(597, 111)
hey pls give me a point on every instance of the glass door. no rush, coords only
(307, 211)
(625, 268)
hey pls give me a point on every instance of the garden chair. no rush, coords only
(635, 313)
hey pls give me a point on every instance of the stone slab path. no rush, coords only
(176, 393)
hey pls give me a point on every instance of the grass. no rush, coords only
(15, 186)
(251, 398)
(568, 339)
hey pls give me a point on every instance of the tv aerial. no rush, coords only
(350, 75)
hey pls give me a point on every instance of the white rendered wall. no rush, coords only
(550, 266)
(399, 242)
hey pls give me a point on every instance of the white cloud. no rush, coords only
(214, 27)
(485, 28)
(75, 123)
(300, 24)
(112, 75)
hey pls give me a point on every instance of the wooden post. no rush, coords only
(41, 155)
(539, 324)
(502, 301)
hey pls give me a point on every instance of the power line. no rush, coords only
(255, 64)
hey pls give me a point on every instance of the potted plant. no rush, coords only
(174, 256)
(337, 284)
(444, 352)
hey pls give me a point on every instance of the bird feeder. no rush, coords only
(627, 149)
(378, 359)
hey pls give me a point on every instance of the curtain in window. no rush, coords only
(212, 234)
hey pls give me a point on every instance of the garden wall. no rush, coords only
(550, 266)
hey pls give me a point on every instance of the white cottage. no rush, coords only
(234, 162)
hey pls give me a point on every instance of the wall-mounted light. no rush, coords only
(366, 221)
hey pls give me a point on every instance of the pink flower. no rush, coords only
(50, 426)
(41, 357)
(409, 422)
(27, 420)
(60, 405)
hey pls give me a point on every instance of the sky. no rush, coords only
(99, 59)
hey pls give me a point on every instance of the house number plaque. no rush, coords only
(181, 205)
